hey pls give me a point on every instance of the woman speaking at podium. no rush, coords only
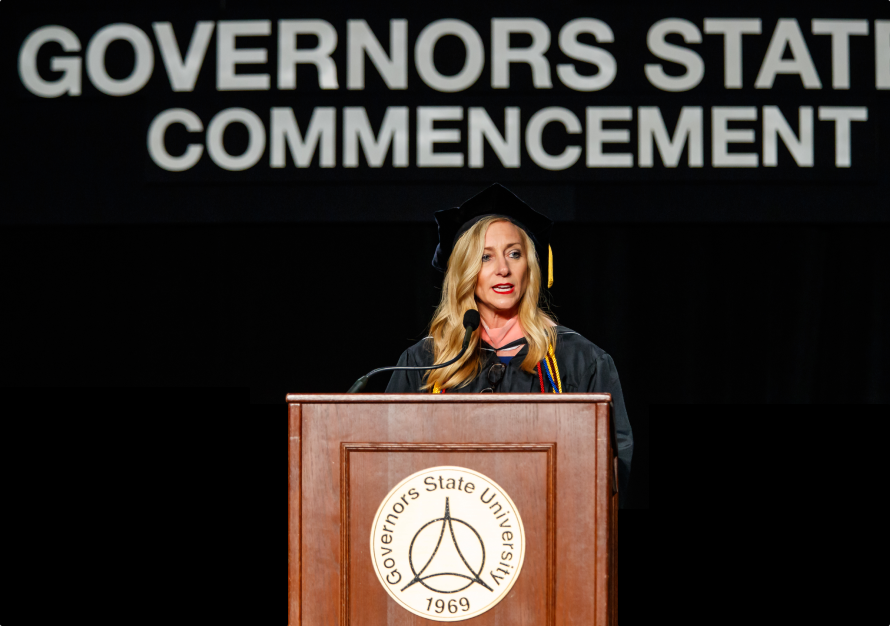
(495, 252)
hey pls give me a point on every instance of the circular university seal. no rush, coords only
(447, 543)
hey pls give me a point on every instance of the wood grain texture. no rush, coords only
(468, 398)
(604, 490)
(613, 535)
(360, 589)
(354, 452)
(294, 458)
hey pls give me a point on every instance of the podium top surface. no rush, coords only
(343, 398)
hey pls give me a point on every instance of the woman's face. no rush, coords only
(504, 275)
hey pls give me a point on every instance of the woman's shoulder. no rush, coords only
(568, 339)
(422, 351)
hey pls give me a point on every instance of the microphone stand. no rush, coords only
(361, 382)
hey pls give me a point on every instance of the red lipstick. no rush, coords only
(512, 288)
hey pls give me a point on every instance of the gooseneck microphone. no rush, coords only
(471, 323)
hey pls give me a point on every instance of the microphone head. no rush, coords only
(471, 319)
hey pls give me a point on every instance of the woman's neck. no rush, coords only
(497, 319)
(500, 328)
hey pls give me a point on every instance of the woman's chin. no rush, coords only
(502, 304)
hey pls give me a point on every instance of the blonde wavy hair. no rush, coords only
(458, 291)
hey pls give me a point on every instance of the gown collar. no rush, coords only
(521, 341)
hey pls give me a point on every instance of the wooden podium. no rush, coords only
(553, 454)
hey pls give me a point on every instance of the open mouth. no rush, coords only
(503, 288)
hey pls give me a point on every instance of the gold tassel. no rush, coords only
(550, 268)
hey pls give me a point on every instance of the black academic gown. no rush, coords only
(584, 367)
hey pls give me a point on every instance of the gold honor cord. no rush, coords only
(555, 367)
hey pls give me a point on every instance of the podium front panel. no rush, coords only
(553, 458)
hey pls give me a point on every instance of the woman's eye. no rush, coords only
(515, 254)
(485, 257)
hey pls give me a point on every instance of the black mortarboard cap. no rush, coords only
(495, 200)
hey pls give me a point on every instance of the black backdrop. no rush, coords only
(733, 287)
(730, 287)
(690, 313)
(84, 159)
